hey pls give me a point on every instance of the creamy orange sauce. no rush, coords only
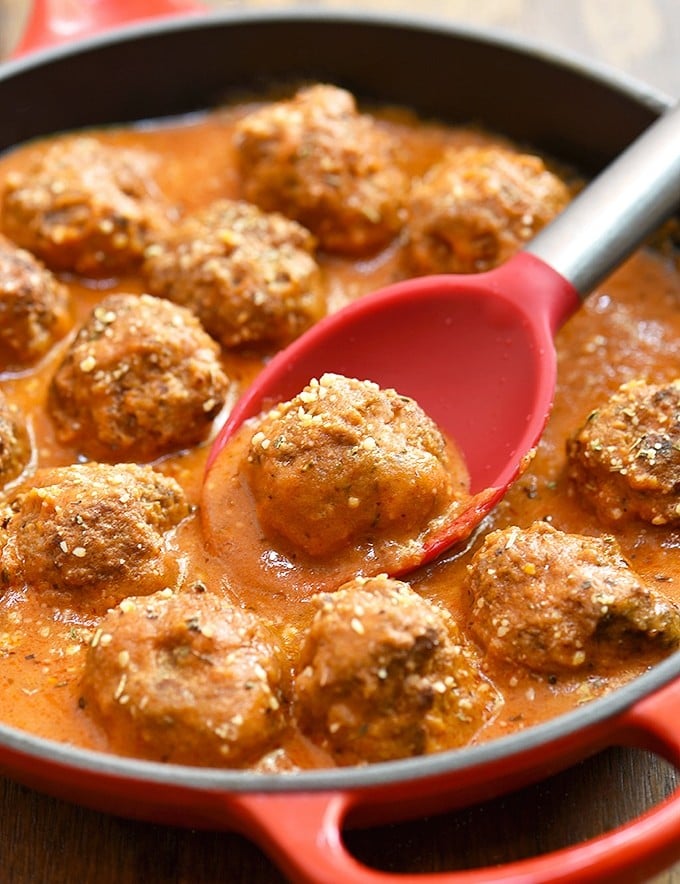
(629, 328)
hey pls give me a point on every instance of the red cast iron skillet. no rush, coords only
(583, 115)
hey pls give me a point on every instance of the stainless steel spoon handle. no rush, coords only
(614, 214)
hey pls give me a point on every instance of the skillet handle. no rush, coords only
(51, 22)
(302, 832)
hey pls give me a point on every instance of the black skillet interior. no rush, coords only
(559, 105)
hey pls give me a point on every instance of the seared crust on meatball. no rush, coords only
(249, 276)
(476, 207)
(384, 674)
(141, 379)
(15, 443)
(91, 528)
(85, 206)
(318, 160)
(34, 310)
(188, 677)
(556, 602)
(345, 461)
(625, 460)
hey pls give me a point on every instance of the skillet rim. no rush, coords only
(423, 767)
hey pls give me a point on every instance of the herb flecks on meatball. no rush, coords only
(15, 442)
(91, 529)
(385, 674)
(625, 460)
(250, 276)
(141, 379)
(317, 159)
(34, 308)
(85, 206)
(556, 602)
(186, 678)
(477, 207)
(345, 462)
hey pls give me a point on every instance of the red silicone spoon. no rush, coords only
(476, 352)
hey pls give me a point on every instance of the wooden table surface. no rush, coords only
(45, 841)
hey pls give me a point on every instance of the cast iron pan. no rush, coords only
(580, 114)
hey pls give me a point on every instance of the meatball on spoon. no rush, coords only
(476, 351)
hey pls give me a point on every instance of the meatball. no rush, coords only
(187, 677)
(318, 160)
(477, 207)
(85, 206)
(34, 308)
(625, 459)
(15, 443)
(91, 528)
(249, 276)
(141, 379)
(345, 462)
(556, 602)
(384, 674)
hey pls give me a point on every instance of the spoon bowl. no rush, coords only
(476, 351)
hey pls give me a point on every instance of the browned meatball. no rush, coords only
(345, 461)
(318, 160)
(15, 444)
(625, 459)
(186, 678)
(85, 206)
(141, 379)
(34, 310)
(93, 528)
(384, 674)
(477, 207)
(249, 276)
(555, 602)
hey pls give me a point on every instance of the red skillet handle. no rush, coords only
(303, 832)
(51, 22)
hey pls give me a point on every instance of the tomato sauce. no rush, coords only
(629, 328)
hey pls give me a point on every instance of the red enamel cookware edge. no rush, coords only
(298, 819)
